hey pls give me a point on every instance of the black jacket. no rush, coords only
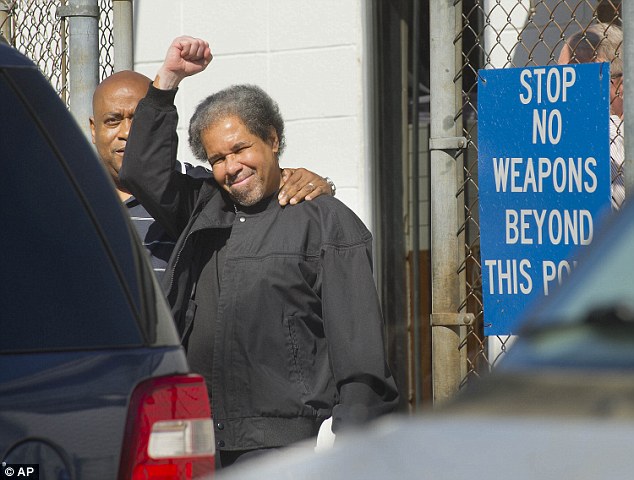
(298, 332)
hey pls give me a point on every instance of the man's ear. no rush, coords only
(92, 128)
(274, 141)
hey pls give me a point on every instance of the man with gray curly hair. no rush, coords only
(276, 305)
(259, 115)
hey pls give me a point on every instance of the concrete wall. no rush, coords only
(310, 56)
(522, 32)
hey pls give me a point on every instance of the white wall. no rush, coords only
(309, 55)
(523, 32)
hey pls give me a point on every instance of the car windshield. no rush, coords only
(602, 279)
(589, 320)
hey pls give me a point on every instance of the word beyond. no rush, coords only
(553, 227)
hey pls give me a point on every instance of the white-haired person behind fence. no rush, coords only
(602, 42)
(277, 306)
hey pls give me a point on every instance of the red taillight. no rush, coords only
(169, 433)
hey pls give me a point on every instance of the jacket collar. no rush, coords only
(217, 209)
(263, 205)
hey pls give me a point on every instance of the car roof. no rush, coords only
(61, 198)
(10, 57)
(457, 447)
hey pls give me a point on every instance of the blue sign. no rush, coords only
(543, 179)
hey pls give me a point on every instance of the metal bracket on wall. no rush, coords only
(451, 319)
(448, 143)
(77, 11)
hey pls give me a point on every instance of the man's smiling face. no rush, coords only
(245, 165)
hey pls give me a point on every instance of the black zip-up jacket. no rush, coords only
(298, 331)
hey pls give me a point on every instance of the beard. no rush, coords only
(247, 196)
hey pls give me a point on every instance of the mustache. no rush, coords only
(237, 178)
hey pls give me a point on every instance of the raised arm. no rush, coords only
(148, 170)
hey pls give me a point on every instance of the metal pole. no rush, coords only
(415, 199)
(122, 19)
(5, 19)
(628, 99)
(83, 18)
(447, 208)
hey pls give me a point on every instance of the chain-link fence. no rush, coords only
(492, 34)
(36, 28)
(517, 33)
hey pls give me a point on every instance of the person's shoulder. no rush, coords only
(135, 210)
(324, 204)
(339, 223)
(197, 171)
(330, 204)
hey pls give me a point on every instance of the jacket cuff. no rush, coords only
(160, 98)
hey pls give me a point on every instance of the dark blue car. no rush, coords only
(94, 383)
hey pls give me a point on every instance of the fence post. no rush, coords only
(415, 214)
(447, 206)
(83, 20)
(122, 21)
(628, 100)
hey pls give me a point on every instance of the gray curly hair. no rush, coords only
(252, 105)
(600, 42)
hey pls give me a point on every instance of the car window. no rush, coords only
(602, 279)
(588, 321)
(58, 285)
(607, 283)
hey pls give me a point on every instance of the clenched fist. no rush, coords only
(185, 56)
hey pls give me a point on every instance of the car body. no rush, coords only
(94, 383)
(559, 405)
